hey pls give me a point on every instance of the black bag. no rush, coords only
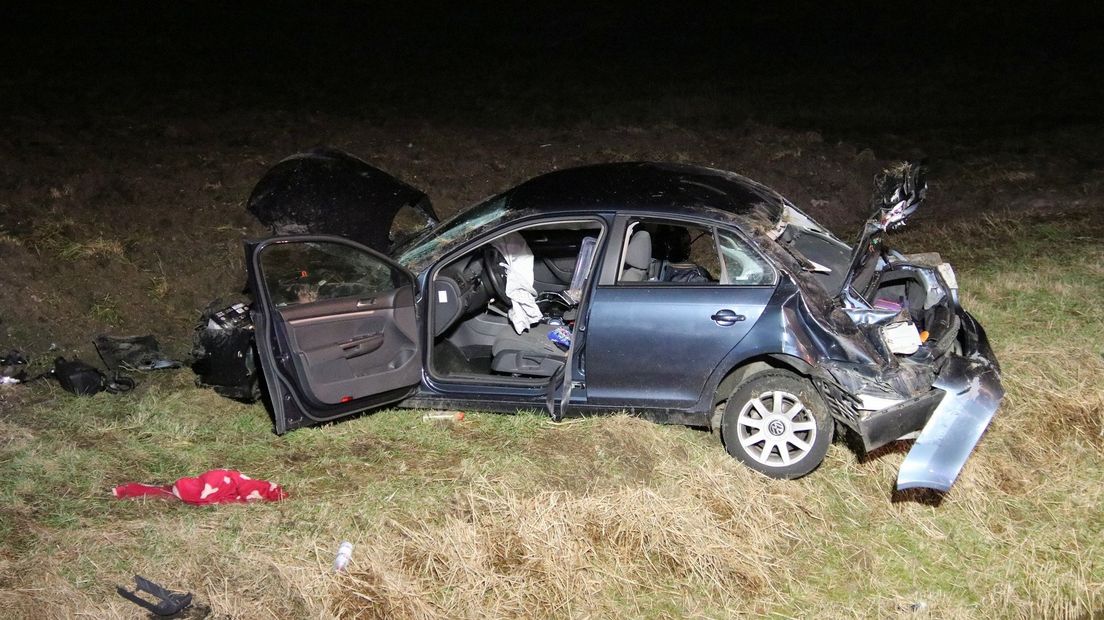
(684, 273)
(81, 379)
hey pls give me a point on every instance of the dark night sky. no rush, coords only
(1001, 65)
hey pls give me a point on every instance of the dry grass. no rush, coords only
(94, 248)
(512, 516)
(7, 238)
(502, 554)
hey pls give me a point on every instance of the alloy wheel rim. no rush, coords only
(776, 429)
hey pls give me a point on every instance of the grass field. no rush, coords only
(515, 516)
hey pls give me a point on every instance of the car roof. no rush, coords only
(647, 186)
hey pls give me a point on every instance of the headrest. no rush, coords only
(639, 253)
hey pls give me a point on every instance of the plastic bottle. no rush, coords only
(344, 554)
(444, 416)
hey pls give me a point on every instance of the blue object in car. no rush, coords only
(561, 337)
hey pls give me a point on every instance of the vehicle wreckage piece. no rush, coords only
(133, 353)
(223, 352)
(330, 192)
(13, 368)
(972, 394)
(165, 602)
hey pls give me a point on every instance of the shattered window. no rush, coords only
(459, 226)
(742, 265)
(304, 272)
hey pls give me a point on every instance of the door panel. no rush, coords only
(658, 345)
(336, 325)
(358, 353)
(655, 339)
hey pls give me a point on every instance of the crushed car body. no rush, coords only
(679, 293)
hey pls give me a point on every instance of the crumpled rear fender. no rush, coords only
(950, 403)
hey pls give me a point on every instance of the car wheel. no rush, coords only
(776, 423)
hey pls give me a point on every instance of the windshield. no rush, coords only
(417, 249)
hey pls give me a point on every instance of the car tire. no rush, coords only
(776, 423)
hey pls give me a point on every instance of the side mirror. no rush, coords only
(898, 192)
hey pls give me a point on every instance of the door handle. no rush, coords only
(361, 345)
(727, 318)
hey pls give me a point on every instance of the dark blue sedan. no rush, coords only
(680, 293)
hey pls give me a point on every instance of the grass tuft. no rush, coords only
(95, 248)
(105, 309)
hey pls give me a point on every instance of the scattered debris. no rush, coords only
(218, 486)
(443, 416)
(223, 352)
(133, 353)
(915, 607)
(166, 603)
(81, 379)
(344, 554)
(13, 358)
(13, 368)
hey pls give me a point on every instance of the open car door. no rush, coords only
(336, 328)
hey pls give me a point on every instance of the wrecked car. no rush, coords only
(683, 294)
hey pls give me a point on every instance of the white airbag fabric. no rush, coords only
(519, 281)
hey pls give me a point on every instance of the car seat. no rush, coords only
(638, 257)
(529, 353)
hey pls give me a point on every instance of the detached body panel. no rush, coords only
(973, 393)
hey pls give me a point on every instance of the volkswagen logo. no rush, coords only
(776, 427)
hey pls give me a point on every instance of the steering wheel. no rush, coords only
(496, 273)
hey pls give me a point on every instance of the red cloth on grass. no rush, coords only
(217, 486)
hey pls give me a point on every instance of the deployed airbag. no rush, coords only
(519, 281)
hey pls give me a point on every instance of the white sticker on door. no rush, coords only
(442, 297)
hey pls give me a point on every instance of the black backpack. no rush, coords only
(81, 379)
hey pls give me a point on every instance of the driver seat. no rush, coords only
(530, 353)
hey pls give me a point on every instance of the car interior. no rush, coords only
(473, 336)
(668, 253)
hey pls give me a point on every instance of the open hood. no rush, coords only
(898, 193)
(330, 192)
